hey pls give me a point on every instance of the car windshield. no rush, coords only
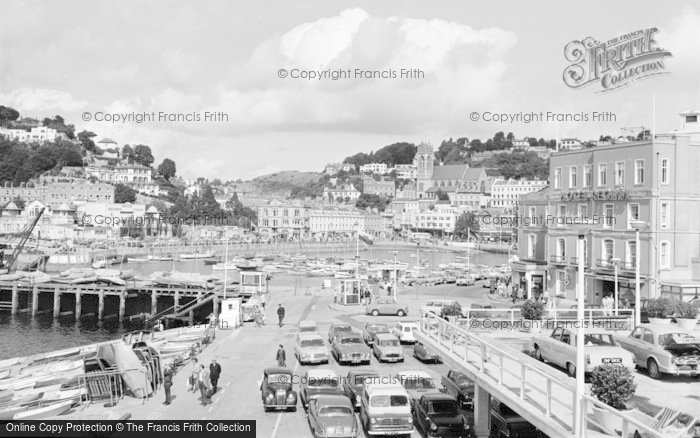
(443, 407)
(335, 411)
(343, 328)
(463, 381)
(307, 328)
(312, 343)
(668, 338)
(319, 382)
(603, 340)
(350, 340)
(417, 383)
(376, 328)
(389, 343)
(407, 329)
(385, 401)
(279, 378)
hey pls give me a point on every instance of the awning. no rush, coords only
(620, 279)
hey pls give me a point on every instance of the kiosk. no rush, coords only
(252, 282)
(231, 314)
(349, 291)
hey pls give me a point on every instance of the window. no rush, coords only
(531, 241)
(561, 279)
(587, 175)
(561, 249)
(608, 215)
(602, 174)
(639, 171)
(573, 176)
(557, 178)
(583, 211)
(585, 251)
(561, 215)
(632, 214)
(664, 171)
(664, 215)
(664, 262)
(607, 250)
(619, 173)
(532, 214)
(631, 253)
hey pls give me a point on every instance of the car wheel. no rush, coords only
(538, 354)
(654, 371)
(571, 369)
(266, 409)
(400, 312)
(375, 312)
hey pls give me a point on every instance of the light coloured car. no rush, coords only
(386, 306)
(310, 349)
(417, 383)
(349, 348)
(436, 306)
(467, 280)
(664, 349)
(332, 416)
(338, 327)
(404, 332)
(600, 348)
(387, 348)
(385, 409)
(371, 329)
(308, 326)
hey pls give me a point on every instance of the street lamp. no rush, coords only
(396, 275)
(580, 338)
(616, 262)
(638, 226)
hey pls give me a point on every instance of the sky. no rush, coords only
(103, 60)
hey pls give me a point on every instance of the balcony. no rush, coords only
(627, 266)
(605, 264)
(558, 259)
(574, 261)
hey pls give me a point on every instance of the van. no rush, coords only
(404, 332)
(387, 348)
(385, 409)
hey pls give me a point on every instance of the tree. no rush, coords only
(59, 124)
(19, 202)
(167, 169)
(124, 193)
(216, 182)
(142, 155)
(7, 115)
(467, 224)
(127, 153)
(85, 138)
(442, 196)
(372, 201)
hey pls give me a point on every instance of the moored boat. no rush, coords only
(51, 410)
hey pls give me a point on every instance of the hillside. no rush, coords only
(286, 183)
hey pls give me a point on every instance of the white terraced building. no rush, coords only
(335, 222)
(505, 193)
(374, 168)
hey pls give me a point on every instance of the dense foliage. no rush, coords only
(167, 169)
(372, 201)
(124, 193)
(466, 224)
(613, 385)
(20, 162)
(532, 310)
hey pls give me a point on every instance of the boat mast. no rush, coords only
(357, 251)
(225, 268)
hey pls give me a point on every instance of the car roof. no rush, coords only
(384, 335)
(393, 387)
(412, 324)
(309, 335)
(333, 400)
(341, 324)
(370, 324)
(661, 329)
(320, 373)
(438, 396)
(442, 301)
(363, 373)
(307, 323)
(590, 331)
(277, 370)
(418, 374)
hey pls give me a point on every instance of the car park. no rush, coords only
(425, 354)
(332, 416)
(438, 415)
(371, 329)
(276, 390)
(310, 349)
(387, 348)
(318, 382)
(459, 386)
(386, 306)
(664, 349)
(354, 384)
(600, 348)
(338, 327)
(308, 326)
(417, 383)
(385, 409)
(404, 332)
(349, 348)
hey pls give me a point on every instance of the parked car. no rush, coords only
(338, 327)
(507, 423)
(385, 410)
(467, 280)
(276, 389)
(404, 332)
(417, 383)
(318, 382)
(350, 348)
(425, 354)
(386, 306)
(332, 416)
(459, 386)
(387, 348)
(474, 312)
(600, 347)
(436, 306)
(439, 415)
(308, 326)
(371, 329)
(354, 384)
(449, 279)
(664, 349)
(310, 348)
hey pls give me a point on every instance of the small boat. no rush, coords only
(173, 348)
(20, 398)
(112, 280)
(296, 272)
(5, 373)
(318, 273)
(196, 255)
(271, 268)
(138, 259)
(62, 378)
(74, 394)
(32, 394)
(44, 411)
(340, 274)
(213, 261)
(230, 266)
(161, 258)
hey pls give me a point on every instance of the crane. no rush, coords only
(24, 236)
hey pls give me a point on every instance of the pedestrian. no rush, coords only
(608, 303)
(281, 357)
(280, 313)
(257, 316)
(369, 296)
(159, 326)
(388, 290)
(194, 375)
(204, 385)
(521, 293)
(167, 383)
(214, 373)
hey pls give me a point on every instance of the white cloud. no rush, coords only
(41, 100)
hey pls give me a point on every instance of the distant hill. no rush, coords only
(287, 183)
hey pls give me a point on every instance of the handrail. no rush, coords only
(552, 318)
(205, 298)
(627, 420)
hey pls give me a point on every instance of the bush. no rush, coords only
(454, 309)
(613, 385)
(686, 310)
(661, 307)
(532, 310)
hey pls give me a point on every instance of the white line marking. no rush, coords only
(277, 425)
(209, 410)
(204, 418)
(229, 383)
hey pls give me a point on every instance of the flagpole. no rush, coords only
(357, 250)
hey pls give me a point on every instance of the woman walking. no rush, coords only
(258, 317)
(204, 385)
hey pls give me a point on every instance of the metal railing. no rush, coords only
(602, 318)
(629, 423)
(557, 259)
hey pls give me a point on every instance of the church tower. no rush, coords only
(424, 167)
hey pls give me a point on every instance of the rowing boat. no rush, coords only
(45, 411)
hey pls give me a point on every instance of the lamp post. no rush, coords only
(638, 226)
(396, 275)
(580, 339)
(616, 262)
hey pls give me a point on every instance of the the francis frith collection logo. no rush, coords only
(615, 63)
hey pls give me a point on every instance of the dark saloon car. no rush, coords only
(336, 328)
(354, 384)
(507, 423)
(372, 329)
(458, 385)
(276, 390)
(438, 415)
(425, 354)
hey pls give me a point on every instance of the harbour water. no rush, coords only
(22, 335)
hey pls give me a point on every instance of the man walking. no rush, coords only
(214, 373)
(280, 313)
(281, 357)
(204, 385)
(167, 383)
(194, 376)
